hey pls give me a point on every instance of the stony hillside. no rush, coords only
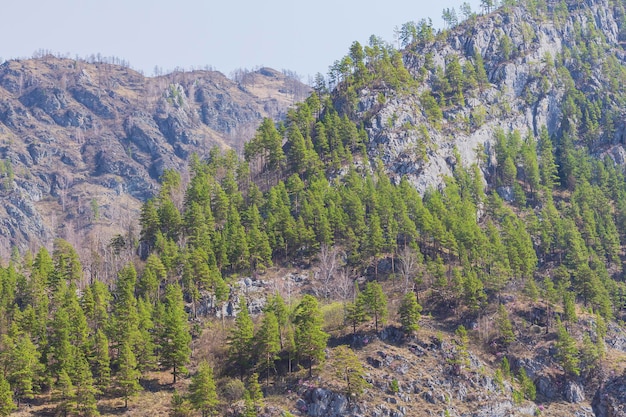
(83, 144)
(547, 64)
(439, 230)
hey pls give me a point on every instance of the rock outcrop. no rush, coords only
(610, 399)
(78, 137)
(524, 91)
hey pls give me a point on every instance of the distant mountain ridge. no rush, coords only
(83, 144)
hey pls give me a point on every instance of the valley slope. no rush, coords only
(82, 145)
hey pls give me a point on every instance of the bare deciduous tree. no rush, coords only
(343, 287)
(410, 266)
(330, 260)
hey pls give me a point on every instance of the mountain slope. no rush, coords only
(85, 143)
(546, 65)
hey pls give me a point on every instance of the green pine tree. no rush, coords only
(410, 312)
(175, 337)
(6, 397)
(241, 341)
(505, 328)
(567, 351)
(202, 391)
(127, 378)
(310, 339)
(349, 369)
(101, 360)
(376, 303)
(268, 342)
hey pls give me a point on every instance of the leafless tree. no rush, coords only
(343, 287)
(410, 266)
(329, 264)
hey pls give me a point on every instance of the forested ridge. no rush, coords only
(520, 247)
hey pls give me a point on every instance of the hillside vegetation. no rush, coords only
(83, 144)
(436, 230)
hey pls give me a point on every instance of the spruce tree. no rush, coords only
(202, 391)
(356, 312)
(276, 304)
(180, 406)
(505, 328)
(124, 322)
(254, 388)
(60, 348)
(85, 399)
(21, 364)
(144, 351)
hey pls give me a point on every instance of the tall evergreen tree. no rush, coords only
(241, 340)
(127, 378)
(85, 392)
(101, 360)
(567, 351)
(376, 303)
(6, 397)
(202, 391)
(410, 312)
(268, 342)
(310, 339)
(348, 367)
(176, 338)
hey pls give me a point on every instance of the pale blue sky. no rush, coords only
(306, 37)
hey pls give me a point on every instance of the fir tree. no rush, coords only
(180, 406)
(527, 385)
(254, 388)
(21, 364)
(101, 360)
(85, 392)
(356, 311)
(505, 328)
(65, 393)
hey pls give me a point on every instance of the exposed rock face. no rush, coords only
(574, 392)
(522, 94)
(610, 399)
(77, 135)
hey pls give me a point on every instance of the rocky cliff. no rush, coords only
(536, 58)
(83, 144)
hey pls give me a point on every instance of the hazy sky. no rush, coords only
(306, 37)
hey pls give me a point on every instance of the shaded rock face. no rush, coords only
(74, 132)
(574, 392)
(320, 402)
(610, 399)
